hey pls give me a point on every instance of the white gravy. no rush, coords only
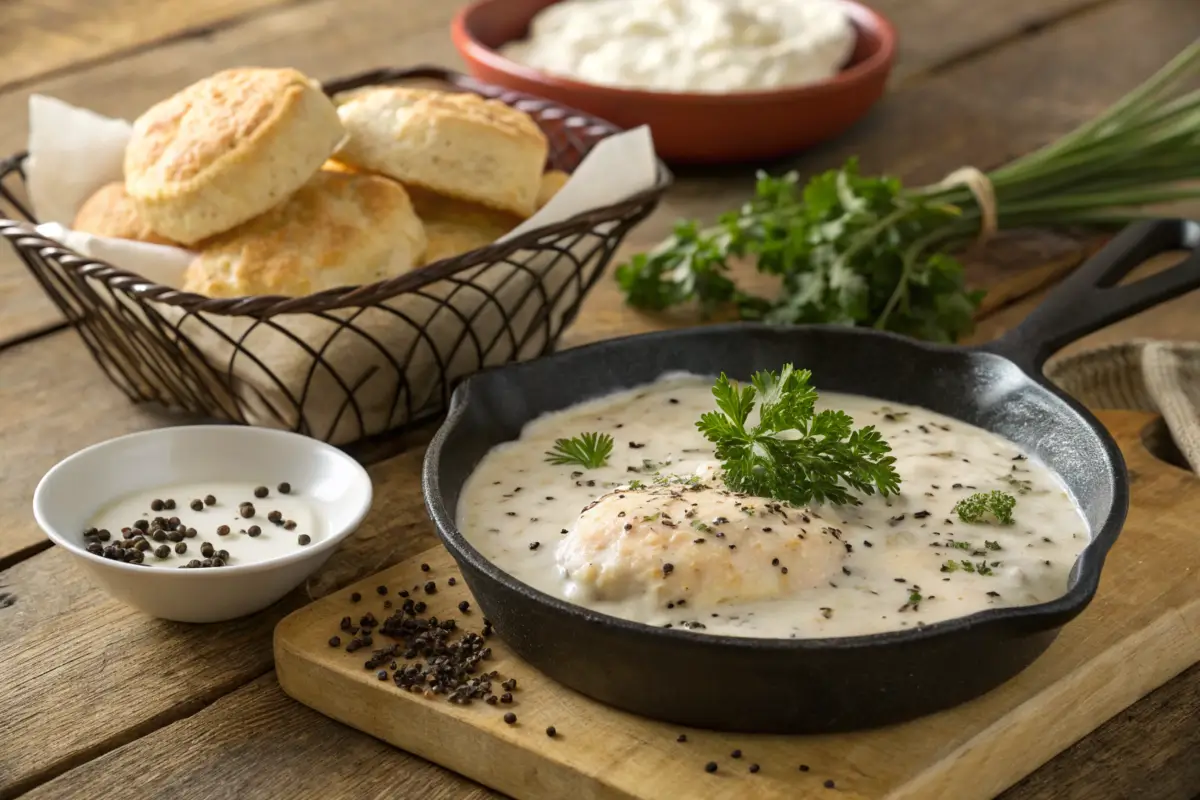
(691, 554)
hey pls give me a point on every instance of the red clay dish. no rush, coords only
(693, 128)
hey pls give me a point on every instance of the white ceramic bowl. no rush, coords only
(337, 487)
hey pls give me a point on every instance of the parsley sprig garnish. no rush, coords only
(794, 453)
(588, 450)
(976, 508)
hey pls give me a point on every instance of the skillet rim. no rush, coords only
(1050, 615)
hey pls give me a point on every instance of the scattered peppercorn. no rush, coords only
(156, 505)
(551, 732)
(464, 606)
(209, 500)
(169, 504)
(181, 548)
(804, 767)
(290, 525)
(736, 754)
(424, 568)
(451, 581)
(197, 505)
(223, 530)
(206, 550)
(285, 488)
(710, 767)
(335, 641)
(355, 597)
(510, 718)
(275, 516)
(430, 588)
(303, 539)
(261, 491)
(246, 510)
(829, 784)
(681, 738)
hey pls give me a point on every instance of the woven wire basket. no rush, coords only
(344, 364)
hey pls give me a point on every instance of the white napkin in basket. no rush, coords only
(269, 366)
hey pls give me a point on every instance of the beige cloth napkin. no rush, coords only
(1141, 375)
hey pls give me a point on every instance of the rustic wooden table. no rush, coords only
(98, 701)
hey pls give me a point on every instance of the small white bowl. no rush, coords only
(71, 493)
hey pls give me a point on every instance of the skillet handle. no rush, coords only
(1090, 299)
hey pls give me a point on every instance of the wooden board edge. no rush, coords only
(1039, 740)
(491, 761)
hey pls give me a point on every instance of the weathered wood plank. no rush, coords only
(40, 37)
(257, 742)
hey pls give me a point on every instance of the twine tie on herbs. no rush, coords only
(979, 185)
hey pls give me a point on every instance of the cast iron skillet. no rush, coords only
(817, 685)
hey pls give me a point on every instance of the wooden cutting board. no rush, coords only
(1142, 629)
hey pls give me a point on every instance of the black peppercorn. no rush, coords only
(335, 641)
(206, 563)
(218, 561)
(506, 697)
(223, 555)
(303, 539)
(381, 590)
(804, 767)
(681, 738)
(285, 488)
(382, 674)
(452, 581)
(829, 784)
(140, 524)
(253, 531)
(551, 732)
(194, 563)
(424, 568)
(175, 523)
(261, 491)
(419, 607)
(206, 550)
(197, 505)
(158, 535)
(175, 536)
(355, 597)
(510, 718)
(156, 505)
(430, 588)
(181, 548)
(162, 551)
(710, 767)
(209, 500)
(754, 767)
(96, 549)
(275, 516)
(736, 754)
(223, 530)
(492, 700)
(142, 545)
(246, 510)
(168, 504)
(464, 606)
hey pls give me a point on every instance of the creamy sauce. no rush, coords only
(689, 45)
(684, 552)
(273, 541)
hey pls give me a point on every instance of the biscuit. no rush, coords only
(456, 144)
(454, 227)
(339, 229)
(552, 182)
(227, 149)
(110, 212)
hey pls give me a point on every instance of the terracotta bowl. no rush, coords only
(692, 127)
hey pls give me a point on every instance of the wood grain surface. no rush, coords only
(1142, 629)
(974, 83)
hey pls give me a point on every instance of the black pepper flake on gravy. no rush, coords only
(536, 545)
(668, 568)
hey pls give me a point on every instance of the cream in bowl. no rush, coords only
(689, 45)
(655, 536)
(203, 523)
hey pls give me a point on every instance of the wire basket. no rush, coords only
(344, 364)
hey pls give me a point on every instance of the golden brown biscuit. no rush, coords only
(552, 181)
(458, 145)
(454, 227)
(227, 149)
(110, 212)
(339, 229)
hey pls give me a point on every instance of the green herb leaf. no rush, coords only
(847, 250)
(976, 507)
(794, 453)
(588, 450)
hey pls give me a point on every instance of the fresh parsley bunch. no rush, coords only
(794, 453)
(858, 250)
(848, 250)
